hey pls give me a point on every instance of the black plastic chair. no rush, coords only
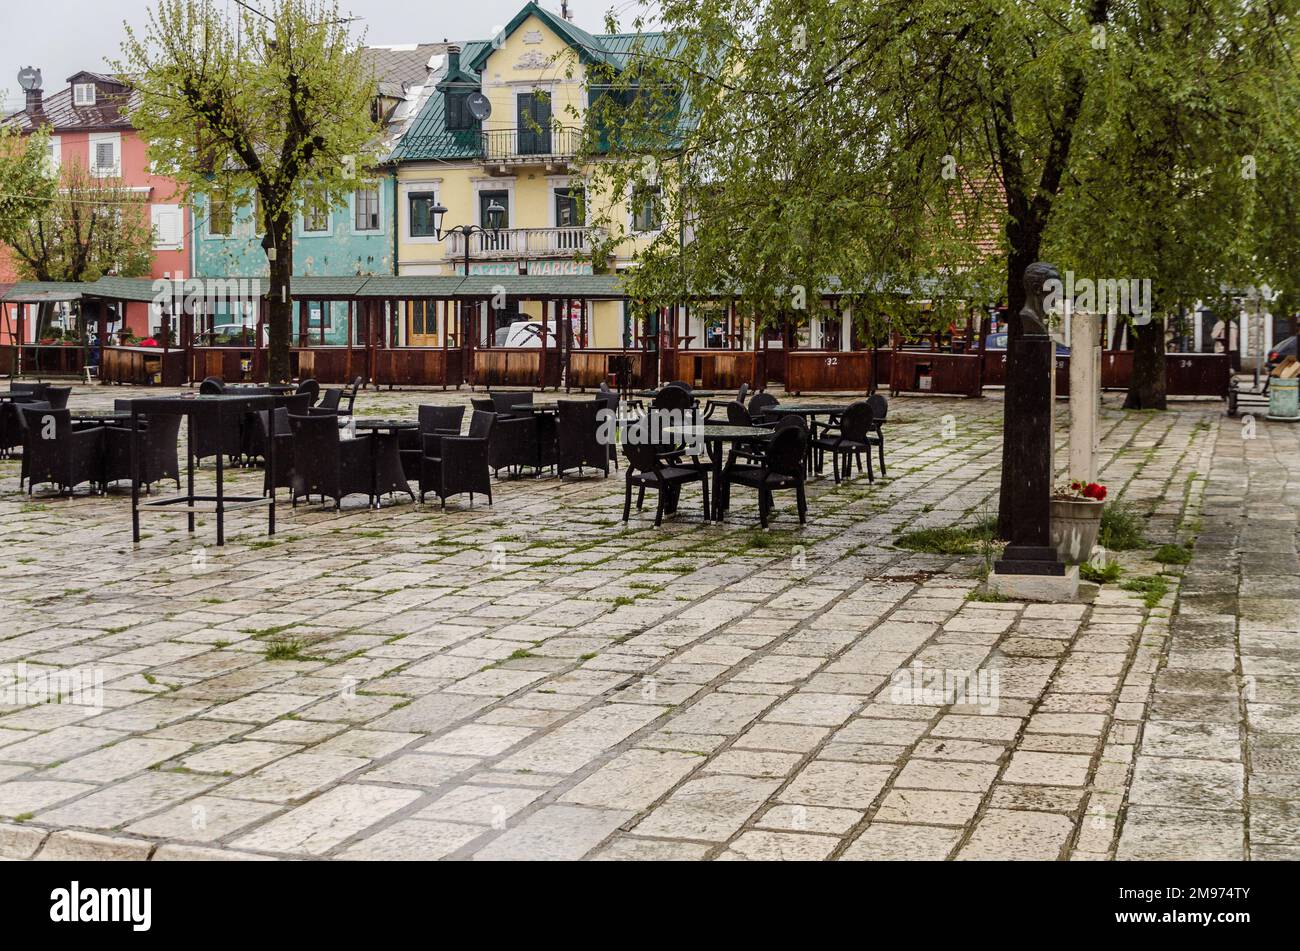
(879, 410)
(454, 465)
(578, 443)
(346, 409)
(434, 420)
(673, 397)
(848, 439)
(329, 403)
(327, 465)
(159, 453)
(212, 386)
(53, 452)
(759, 406)
(311, 388)
(647, 470)
(714, 405)
(782, 467)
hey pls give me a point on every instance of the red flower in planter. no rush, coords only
(1096, 491)
(1079, 490)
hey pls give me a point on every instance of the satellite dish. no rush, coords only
(29, 78)
(479, 106)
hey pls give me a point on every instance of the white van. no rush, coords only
(528, 333)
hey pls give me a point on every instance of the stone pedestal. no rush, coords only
(1030, 558)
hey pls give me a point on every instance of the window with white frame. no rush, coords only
(645, 208)
(106, 155)
(423, 223)
(168, 227)
(365, 209)
(315, 216)
(221, 222)
(83, 94)
(53, 156)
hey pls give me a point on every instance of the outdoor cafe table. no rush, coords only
(102, 419)
(698, 394)
(386, 474)
(209, 411)
(713, 435)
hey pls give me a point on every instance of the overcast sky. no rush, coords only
(61, 37)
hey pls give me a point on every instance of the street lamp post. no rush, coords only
(495, 215)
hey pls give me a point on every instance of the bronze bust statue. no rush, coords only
(1033, 316)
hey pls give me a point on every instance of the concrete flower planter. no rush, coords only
(1075, 524)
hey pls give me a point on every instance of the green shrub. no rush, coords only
(1107, 575)
(1121, 528)
(1173, 554)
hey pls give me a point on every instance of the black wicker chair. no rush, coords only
(647, 470)
(53, 452)
(453, 465)
(782, 467)
(848, 439)
(327, 465)
(218, 433)
(159, 455)
(482, 404)
(513, 444)
(311, 388)
(296, 404)
(578, 444)
(434, 420)
(11, 428)
(608, 401)
(57, 396)
(673, 397)
(29, 392)
(20, 423)
(212, 386)
(282, 476)
(504, 403)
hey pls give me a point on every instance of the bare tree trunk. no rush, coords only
(279, 311)
(1146, 388)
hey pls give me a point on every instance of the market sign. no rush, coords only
(490, 268)
(559, 268)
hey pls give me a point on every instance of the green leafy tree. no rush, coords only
(936, 148)
(275, 105)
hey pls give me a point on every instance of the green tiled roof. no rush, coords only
(429, 140)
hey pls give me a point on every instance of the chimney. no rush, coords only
(564, 10)
(29, 78)
(453, 60)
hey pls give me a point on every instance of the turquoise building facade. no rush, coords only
(354, 240)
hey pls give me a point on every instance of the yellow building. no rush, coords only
(521, 158)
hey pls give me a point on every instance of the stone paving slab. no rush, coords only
(533, 680)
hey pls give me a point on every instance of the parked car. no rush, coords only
(1280, 352)
(999, 342)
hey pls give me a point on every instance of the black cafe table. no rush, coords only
(714, 436)
(207, 411)
(386, 473)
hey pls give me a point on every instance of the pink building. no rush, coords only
(88, 124)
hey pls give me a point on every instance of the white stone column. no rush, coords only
(1085, 392)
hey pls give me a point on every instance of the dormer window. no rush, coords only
(459, 117)
(83, 94)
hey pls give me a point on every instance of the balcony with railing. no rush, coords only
(552, 146)
(516, 243)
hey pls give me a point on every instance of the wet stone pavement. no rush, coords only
(534, 680)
